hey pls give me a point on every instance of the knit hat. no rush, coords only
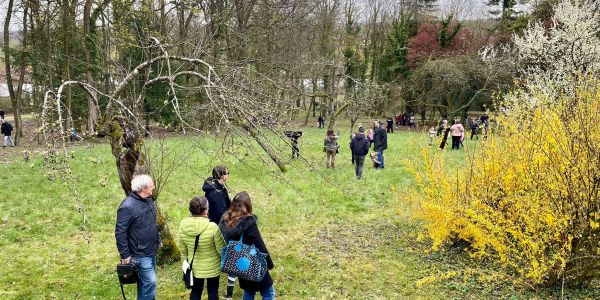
(361, 129)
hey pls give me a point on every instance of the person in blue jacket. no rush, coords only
(360, 148)
(137, 234)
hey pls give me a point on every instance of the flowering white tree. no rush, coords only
(568, 47)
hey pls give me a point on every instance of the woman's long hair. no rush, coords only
(240, 207)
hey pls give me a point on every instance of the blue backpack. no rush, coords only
(243, 261)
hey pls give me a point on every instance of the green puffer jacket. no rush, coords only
(207, 262)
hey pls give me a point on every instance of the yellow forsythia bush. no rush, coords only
(529, 197)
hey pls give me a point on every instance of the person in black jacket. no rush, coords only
(6, 129)
(360, 148)
(137, 235)
(238, 221)
(379, 141)
(216, 192)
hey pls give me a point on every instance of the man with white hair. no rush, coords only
(137, 235)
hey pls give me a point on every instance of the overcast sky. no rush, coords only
(463, 9)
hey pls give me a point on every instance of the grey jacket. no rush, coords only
(330, 142)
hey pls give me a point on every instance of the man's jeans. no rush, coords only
(267, 294)
(359, 161)
(146, 286)
(380, 158)
(8, 141)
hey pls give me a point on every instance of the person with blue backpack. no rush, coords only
(238, 223)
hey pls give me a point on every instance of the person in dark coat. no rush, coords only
(137, 234)
(6, 129)
(445, 138)
(238, 221)
(321, 121)
(390, 125)
(360, 148)
(379, 142)
(216, 192)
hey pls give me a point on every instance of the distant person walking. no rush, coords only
(239, 222)
(206, 263)
(380, 142)
(331, 148)
(321, 121)
(432, 133)
(370, 136)
(359, 145)
(474, 128)
(458, 132)
(486, 124)
(443, 126)
(390, 125)
(137, 235)
(445, 137)
(411, 121)
(6, 129)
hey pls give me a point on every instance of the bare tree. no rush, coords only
(15, 96)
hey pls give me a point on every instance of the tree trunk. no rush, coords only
(352, 122)
(126, 146)
(92, 116)
(312, 101)
(334, 115)
(66, 34)
(15, 97)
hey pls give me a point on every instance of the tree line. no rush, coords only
(312, 56)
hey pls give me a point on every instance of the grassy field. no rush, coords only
(331, 236)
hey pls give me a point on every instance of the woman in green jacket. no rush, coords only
(207, 261)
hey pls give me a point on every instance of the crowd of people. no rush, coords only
(457, 131)
(214, 220)
(360, 145)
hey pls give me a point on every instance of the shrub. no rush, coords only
(529, 198)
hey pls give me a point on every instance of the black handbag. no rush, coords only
(128, 274)
(188, 277)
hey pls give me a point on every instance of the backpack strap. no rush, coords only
(195, 247)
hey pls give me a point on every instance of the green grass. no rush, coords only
(330, 235)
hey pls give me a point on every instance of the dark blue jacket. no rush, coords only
(218, 199)
(136, 231)
(380, 139)
(360, 145)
